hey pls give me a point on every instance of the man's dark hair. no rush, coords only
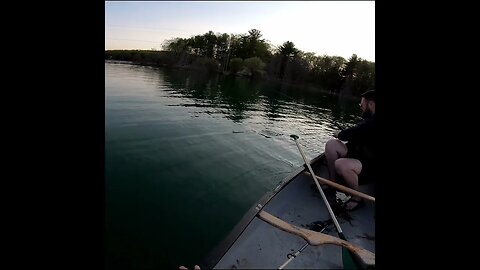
(370, 95)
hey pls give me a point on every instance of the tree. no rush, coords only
(177, 45)
(236, 65)
(350, 67)
(222, 49)
(254, 65)
(365, 76)
(308, 57)
(358, 75)
(287, 51)
(251, 45)
(210, 40)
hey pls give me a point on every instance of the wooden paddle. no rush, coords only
(316, 238)
(343, 188)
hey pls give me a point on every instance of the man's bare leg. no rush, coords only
(334, 149)
(349, 169)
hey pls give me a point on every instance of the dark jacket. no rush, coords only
(362, 140)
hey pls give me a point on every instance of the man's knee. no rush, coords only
(330, 143)
(333, 146)
(344, 165)
(340, 166)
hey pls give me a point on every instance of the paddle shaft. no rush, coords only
(327, 204)
(330, 211)
(344, 188)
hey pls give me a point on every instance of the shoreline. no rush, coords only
(308, 87)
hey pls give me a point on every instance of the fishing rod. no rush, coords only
(338, 126)
(291, 256)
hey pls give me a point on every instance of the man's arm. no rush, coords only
(356, 132)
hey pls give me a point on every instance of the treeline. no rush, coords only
(251, 55)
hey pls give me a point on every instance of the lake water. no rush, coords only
(188, 154)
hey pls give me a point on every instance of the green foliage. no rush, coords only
(206, 64)
(255, 66)
(288, 49)
(251, 45)
(357, 76)
(236, 65)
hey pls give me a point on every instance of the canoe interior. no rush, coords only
(253, 243)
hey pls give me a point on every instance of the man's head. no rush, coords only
(367, 103)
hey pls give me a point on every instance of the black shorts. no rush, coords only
(368, 174)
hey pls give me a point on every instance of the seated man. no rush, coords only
(356, 158)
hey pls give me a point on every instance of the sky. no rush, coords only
(334, 28)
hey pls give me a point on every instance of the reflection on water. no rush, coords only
(241, 98)
(187, 155)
